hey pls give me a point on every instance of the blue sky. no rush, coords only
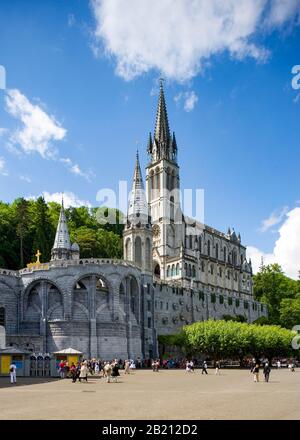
(239, 139)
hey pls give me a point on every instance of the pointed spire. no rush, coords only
(150, 144)
(62, 238)
(162, 131)
(138, 206)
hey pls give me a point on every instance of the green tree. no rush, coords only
(22, 224)
(43, 230)
(271, 286)
(290, 312)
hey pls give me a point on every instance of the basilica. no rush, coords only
(175, 271)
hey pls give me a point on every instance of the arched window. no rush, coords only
(148, 253)
(220, 271)
(185, 269)
(157, 270)
(191, 242)
(212, 269)
(225, 254)
(173, 270)
(128, 255)
(208, 248)
(2, 316)
(138, 250)
(172, 208)
(200, 244)
(194, 272)
(177, 269)
(202, 266)
(217, 251)
(189, 270)
(168, 271)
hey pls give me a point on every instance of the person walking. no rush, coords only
(255, 372)
(126, 367)
(115, 372)
(107, 370)
(13, 373)
(83, 371)
(267, 371)
(204, 368)
(217, 367)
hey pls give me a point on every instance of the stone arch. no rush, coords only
(32, 300)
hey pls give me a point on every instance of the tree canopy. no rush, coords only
(230, 339)
(280, 293)
(28, 225)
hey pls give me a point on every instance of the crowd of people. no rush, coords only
(109, 370)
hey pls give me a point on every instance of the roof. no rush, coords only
(13, 350)
(62, 238)
(68, 351)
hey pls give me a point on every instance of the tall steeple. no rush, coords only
(164, 145)
(138, 206)
(162, 130)
(62, 248)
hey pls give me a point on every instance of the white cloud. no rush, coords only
(286, 251)
(25, 179)
(189, 100)
(274, 219)
(71, 20)
(38, 130)
(74, 168)
(3, 131)
(177, 38)
(70, 199)
(3, 171)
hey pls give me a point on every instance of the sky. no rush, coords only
(78, 96)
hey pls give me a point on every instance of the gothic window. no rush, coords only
(194, 272)
(149, 322)
(186, 269)
(168, 271)
(211, 269)
(157, 270)
(172, 208)
(208, 248)
(177, 269)
(217, 251)
(173, 270)
(220, 271)
(128, 255)
(225, 254)
(200, 244)
(2, 316)
(228, 274)
(148, 253)
(191, 242)
(189, 270)
(202, 266)
(138, 250)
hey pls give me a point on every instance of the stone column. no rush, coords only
(92, 313)
(43, 322)
(127, 312)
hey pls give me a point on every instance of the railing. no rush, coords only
(9, 272)
(81, 261)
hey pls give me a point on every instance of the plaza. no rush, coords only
(167, 395)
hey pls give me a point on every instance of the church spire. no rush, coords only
(162, 131)
(163, 145)
(62, 244)
(138, 206)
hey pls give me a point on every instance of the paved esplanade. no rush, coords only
(163, 395)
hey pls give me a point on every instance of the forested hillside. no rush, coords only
(28, 225)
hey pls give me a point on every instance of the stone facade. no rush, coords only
(175, 271)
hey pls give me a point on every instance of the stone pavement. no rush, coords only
(169, 394)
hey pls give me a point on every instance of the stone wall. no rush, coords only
(175, 307)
